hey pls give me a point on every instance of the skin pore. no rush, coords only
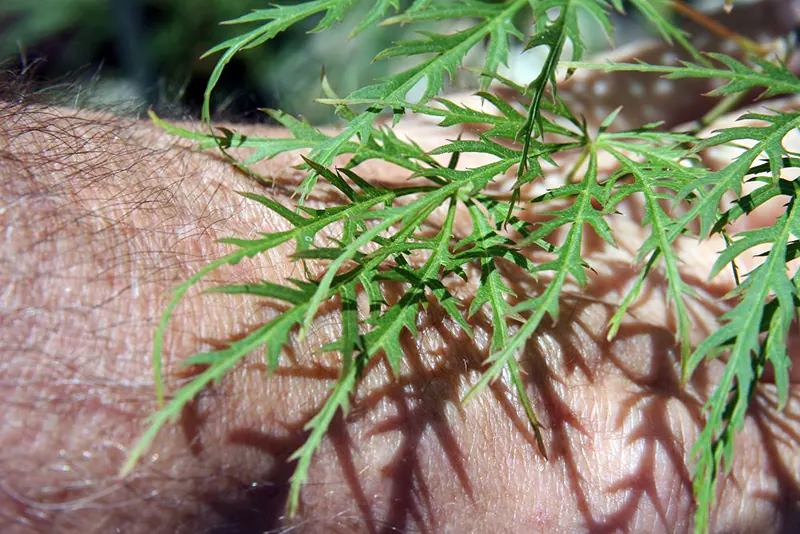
(102, 216)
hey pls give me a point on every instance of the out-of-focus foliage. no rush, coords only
(144, 52)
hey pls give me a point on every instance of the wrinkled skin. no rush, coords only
(101, 217)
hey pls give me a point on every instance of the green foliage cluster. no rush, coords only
(379, 227)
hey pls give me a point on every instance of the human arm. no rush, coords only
(103, 216)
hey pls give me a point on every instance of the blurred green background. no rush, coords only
(131, 54)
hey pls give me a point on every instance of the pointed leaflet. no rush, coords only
(304, 227)
(568, 261)
(219, 363)
(350, 348)
(647, 181)
(767, 139)
(409, 218)
(741, 332)
(498, 45)
(305, 136)
(553, 35)
(449, 51)
(654, 11)
(775, 79)
(505, 125)
(402, 315)
(279, 18)
(492, 290)
(376, 12)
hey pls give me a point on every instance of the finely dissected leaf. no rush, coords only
(553, 35)
(747, 203)
(338, 400)
(492, 291)
(568, 262)
(407, 235)
(402, 315)
(497, 25)
(409, 219)
(767, 140)
(448, 50)
(741, 335)
(660, 171)
(775, 79)
(305, 227)
(278, 19)
(351, 348)
(218, 362)
(504, 125)
(654, 11)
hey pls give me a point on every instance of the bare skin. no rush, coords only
(102, 216)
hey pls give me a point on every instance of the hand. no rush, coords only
(102, 217)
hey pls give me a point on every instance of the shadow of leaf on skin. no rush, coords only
(618, 426)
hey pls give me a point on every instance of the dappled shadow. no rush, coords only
(640, 416)
(586, 389)
(262, 503)
(616, 424)
(781, 440)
